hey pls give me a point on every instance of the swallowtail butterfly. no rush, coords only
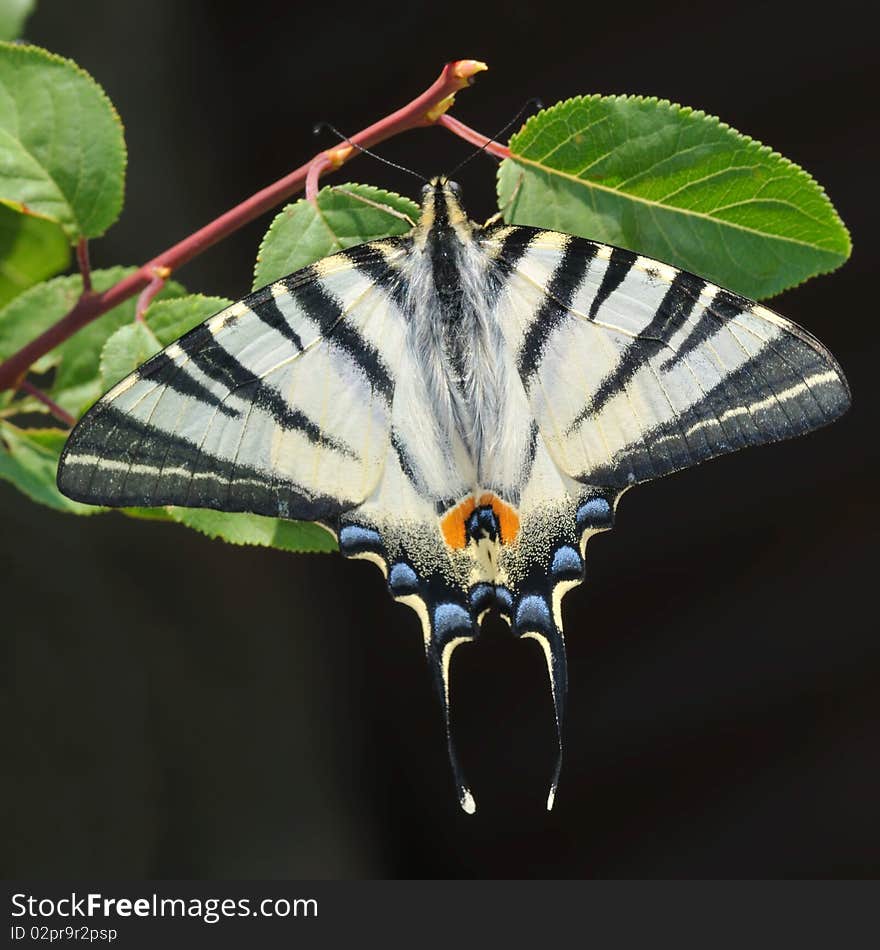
(463, 406)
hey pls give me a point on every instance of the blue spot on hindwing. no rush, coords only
(452, 620)
(402, 579)
(533, 613)
(567, 564)
(504, 599)
(482, 597)
(595, 513)
(353, 539)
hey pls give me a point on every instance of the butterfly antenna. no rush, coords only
(531, 104)
(385, 161)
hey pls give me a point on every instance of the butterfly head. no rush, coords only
(442, 185)
(442, 210)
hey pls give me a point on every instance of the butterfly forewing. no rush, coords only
(279, 405)
(635, 369)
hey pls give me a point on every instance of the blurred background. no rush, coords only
(182, 708)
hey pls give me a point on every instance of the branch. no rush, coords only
(160, 275)
(61, 414)
(474, 137)
(424, 110)
(82, 260)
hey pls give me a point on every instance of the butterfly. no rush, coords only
(463, 405)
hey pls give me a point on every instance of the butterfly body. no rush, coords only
(462, 406)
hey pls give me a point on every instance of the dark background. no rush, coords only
(184, 708)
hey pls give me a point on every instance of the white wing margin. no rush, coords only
(279, 405)
(634, 369)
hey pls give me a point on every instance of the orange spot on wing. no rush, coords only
(453, 524)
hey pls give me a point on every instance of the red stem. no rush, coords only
(316, 169)
(62, 414)
(475, 138)
(160, 275)
(424, 110)
(82, 260)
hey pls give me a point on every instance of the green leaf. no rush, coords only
(29, 459)
(346, 215)
(62, 151)
(124, 351)
(148, 514)
(675, 184)
(170, 319)
(35, 310)
(77, 381)
(31, 249)
(238, 528)
(165, 320)
(13, 14)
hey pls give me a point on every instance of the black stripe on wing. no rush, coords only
(218, 364)
(112, 458)
(619, 265)
(405, 461)
(374, 264)
(266, 309)
(165, 371)
(675, 308)
(561, 289)
(723, 308)
(790, 387)
(326, 311)
(513, 246)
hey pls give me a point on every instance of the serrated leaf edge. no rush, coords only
(373, 193)
(689, 112)
(185, 298)
(217, 536)
(17, 48)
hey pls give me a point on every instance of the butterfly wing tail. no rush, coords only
(447, 623)
(446, 617)
(538, 617)
(451, 625)
(535, 603)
